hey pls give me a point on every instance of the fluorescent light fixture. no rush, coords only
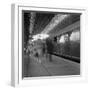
(40, 36)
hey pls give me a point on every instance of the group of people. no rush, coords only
(41, 49)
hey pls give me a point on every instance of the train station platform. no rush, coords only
(57, 67)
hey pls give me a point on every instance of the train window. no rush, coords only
(75, 36)
(62, 40)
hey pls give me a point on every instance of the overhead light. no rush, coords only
(40, 36)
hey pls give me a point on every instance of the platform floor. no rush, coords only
(43, 67)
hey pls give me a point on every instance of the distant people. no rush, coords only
(43, 49)
(49, 45)
(37, 55)
(27, 50)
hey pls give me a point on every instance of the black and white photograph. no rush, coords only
(45, 44)
(50, 43)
